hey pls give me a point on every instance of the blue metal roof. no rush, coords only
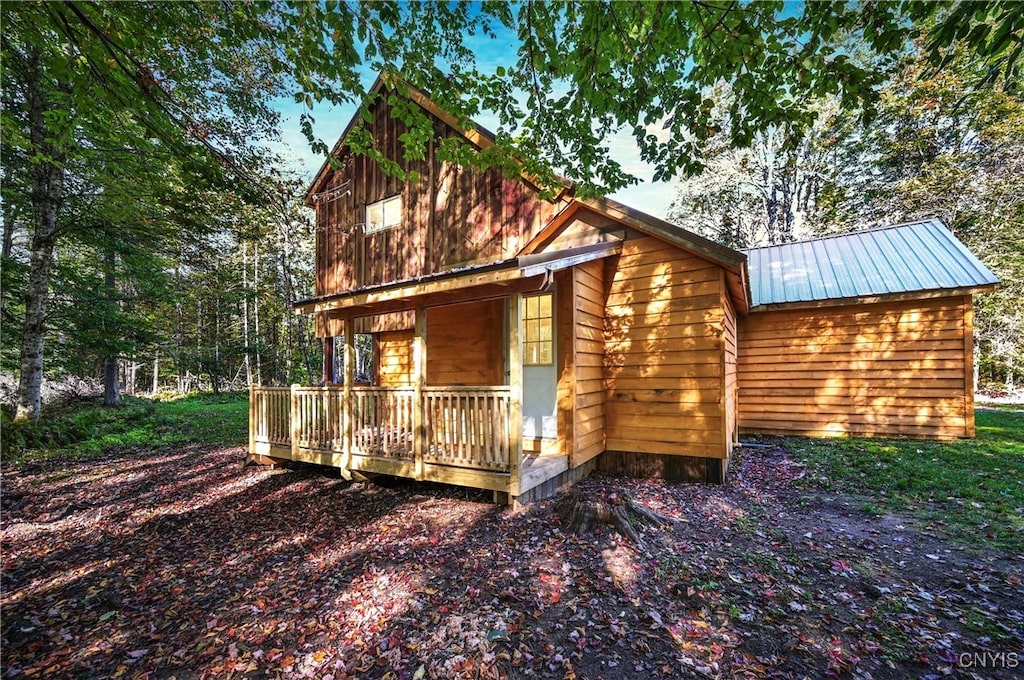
(918, 256)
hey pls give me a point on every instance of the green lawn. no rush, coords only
(967, 488)
(88, 429)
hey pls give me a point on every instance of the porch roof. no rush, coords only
(410, 292)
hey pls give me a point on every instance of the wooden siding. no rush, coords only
(465, 347)
(465, 344)
(451, 216)
(730, 385)
(588, 348)
(393, 353)
(888, 368)
(664, 322)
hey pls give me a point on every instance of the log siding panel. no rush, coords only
(465, 344)
(730, 385)
(393, 357)
(665, 367)
(589, 420)
(465, 347)
(883, 369)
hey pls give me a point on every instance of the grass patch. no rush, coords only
(968, 488)
(88, 429)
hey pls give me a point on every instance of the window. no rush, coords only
(383, 214)
(538, 346)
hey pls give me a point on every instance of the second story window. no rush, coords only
(383, 214)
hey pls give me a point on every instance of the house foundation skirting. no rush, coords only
(670, 468)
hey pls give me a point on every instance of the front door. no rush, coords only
(540, 378)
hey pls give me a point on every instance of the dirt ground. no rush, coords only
(182, 564)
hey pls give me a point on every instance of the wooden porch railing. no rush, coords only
(382, 422)
(269, 415)
(466, 427)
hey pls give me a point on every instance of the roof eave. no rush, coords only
(869, 299)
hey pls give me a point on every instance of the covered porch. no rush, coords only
(454, 435)
(466, 396)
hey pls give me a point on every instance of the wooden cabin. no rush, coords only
(869, 333)
(520, 342)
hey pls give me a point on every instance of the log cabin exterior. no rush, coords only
(520, 342)
(869, 333)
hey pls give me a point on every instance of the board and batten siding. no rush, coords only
(887, 368)
(451, 216)
(664, 368)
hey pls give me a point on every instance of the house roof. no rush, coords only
(913, 258)
(404, 293)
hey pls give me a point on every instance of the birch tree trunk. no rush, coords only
(256, 312)
(245, 313)
(156, 374)
(47, 173)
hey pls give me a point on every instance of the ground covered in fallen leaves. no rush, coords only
(182, 564)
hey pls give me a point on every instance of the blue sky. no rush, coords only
(650, 197)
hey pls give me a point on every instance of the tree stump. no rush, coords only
(621, 512)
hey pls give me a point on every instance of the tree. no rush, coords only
(196, 79)
(940, 145)
(594, 68)
(766, 193)
(172, 71)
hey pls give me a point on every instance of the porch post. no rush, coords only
(294, 420)
(252, 418)
(328, 360)
(419, 415)
(515, 396)
(346, 404)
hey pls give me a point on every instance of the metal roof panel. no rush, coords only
(916, 256)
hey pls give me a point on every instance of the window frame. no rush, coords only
(383, 203)
(536, 359)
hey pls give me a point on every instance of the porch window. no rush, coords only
(383, 214)
(538, 346)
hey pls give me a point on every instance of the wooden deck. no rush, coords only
(454, 435)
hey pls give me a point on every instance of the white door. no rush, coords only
(540, 377)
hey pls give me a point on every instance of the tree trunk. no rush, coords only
(256, 311)
(47, 174)
(133, 372)
(156, 374)
(111, 387)
(179, 330)
(259, 340)
(9, 216)
(245, 312)
(215, 367)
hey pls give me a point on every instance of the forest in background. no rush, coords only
(938, 146)
(151, 243)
